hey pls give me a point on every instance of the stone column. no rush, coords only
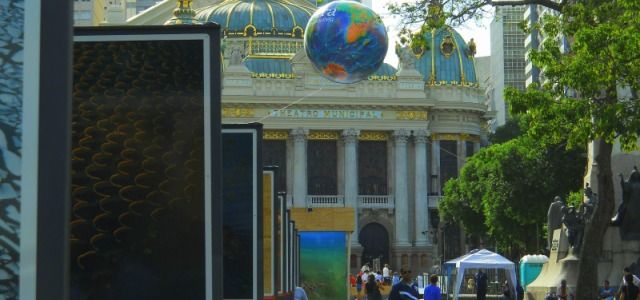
(350, 137)
(402, 202)
(435, 165)
(462, 153)
(299, 136)
(476, 147)
(421, 203)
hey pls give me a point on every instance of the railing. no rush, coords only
(376, 201)
(433, 201)
(325, 201)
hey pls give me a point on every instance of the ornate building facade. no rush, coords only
(385, 146)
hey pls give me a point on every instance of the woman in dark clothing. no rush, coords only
(629, 291)
(372, 289)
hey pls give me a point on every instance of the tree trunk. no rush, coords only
(587, 282)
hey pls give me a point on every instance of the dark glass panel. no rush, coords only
(322, 168)
(372, 168)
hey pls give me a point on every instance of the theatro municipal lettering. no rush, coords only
(326, 114)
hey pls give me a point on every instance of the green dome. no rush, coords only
(257, 18)
(448, 59)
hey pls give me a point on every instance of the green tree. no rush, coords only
(581, 100)
(511, 183)
(604, 58)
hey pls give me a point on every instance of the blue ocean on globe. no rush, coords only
(346, 41)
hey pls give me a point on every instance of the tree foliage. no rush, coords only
(583, 99)
(511, 183)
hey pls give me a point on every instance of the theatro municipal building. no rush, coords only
(384, 146)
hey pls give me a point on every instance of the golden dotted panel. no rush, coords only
(324, 135)
(275, 135)
(411, 115)
(236, 112)
(373, 136)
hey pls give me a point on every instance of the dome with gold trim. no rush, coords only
(258, 18)
(447, 59)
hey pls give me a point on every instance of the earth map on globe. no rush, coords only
(346, 41)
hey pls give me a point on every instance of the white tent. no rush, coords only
(481, 259)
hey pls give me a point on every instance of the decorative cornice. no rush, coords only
(275, 135)
(383, 78)
(237, 112)
(323, 135)
(455, 137)
(373, 136)
(411, 115)
(445, 136)
(274, 75)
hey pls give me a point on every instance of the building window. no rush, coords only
(470, 148)
(372, 168)
(448, 162)
(274, 153)
(322, 171)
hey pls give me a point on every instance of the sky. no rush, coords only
(480, 33)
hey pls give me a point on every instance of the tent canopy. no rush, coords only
(480, 259)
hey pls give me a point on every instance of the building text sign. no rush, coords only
(327, 114)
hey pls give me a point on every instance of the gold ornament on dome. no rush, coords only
(275, 135)
(447, 46)
(411, 115)
(323, 135)
(373, 136)
(236, 112)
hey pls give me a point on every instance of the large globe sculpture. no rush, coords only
(346, 41)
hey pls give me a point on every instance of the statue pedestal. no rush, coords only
(562, 264)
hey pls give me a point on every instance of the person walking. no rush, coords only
(432, 292)
(386, 274)
(481, 285)
(564, 292)
(372, 289)
(629, 291)
(300, 294)
(405, 289)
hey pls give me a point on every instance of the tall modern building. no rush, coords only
(507, 58)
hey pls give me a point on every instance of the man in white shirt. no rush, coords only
(386, 274)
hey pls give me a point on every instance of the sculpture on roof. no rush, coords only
(235, 57)
(406, 57)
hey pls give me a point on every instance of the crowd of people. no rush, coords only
(370, 284)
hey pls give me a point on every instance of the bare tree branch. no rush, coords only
(546, 3)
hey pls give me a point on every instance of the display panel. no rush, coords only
(242, 209)
(323, 264)
(268, 231)
(145, 132)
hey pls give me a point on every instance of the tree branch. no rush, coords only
(546, 3)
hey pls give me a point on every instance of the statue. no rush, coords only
(406, 57)
(588, 203)
(628, 215)
(236, 57)
(472, 48)
(554, 218)
(575, 227)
